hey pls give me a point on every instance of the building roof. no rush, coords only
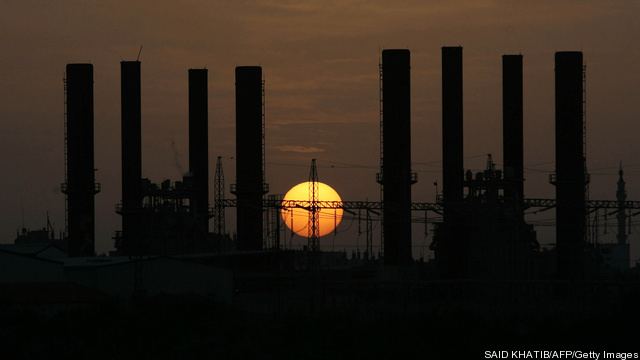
(38, 293)
(31, 249)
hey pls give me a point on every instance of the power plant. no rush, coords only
(483, 232)
(486, 253)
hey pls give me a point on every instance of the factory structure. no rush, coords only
(483, 234)
(167, 218)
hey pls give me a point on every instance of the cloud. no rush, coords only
(299, 149)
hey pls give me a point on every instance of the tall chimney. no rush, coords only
(512, 128)
(80, 187)
(452, 250)
(570, 177)
(396, 177)
(452, 138)
(199, 146)
(250, 187)
(130, 92)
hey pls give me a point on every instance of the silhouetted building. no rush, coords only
(616, 257)
(500, 245)
(570, 178)
(43, 238)
(396, 177)
(166, 225)
(80, 186)
(250, 186)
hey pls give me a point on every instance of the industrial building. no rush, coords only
(165, 219)
(483, 234)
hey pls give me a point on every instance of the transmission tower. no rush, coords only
(314, 224)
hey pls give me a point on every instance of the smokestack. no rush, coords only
(452, 144)
(130, 92)
(512, 125)
(570, 177)
(451, 244)
(396, 177)
(250, 187)
(199, 146)
(80, 187)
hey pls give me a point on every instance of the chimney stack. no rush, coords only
(199, 146)
(396, 177)
(250, 187)
(570, 177)
(131, 127)
(80, 187)
(512, 129)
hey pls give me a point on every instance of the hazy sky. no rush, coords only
(320, 63)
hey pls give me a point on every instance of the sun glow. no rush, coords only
(297, 218)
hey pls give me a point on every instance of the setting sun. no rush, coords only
(297, 217)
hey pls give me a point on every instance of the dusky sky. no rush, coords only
(320, 63)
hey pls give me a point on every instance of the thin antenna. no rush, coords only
(50, 232)
(138, 59)
(22, 206)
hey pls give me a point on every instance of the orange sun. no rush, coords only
(297, 217)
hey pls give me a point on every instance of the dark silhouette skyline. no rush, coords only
(482, 235)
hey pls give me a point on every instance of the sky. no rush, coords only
(320, 62)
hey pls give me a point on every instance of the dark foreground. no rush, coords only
(195, 328)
